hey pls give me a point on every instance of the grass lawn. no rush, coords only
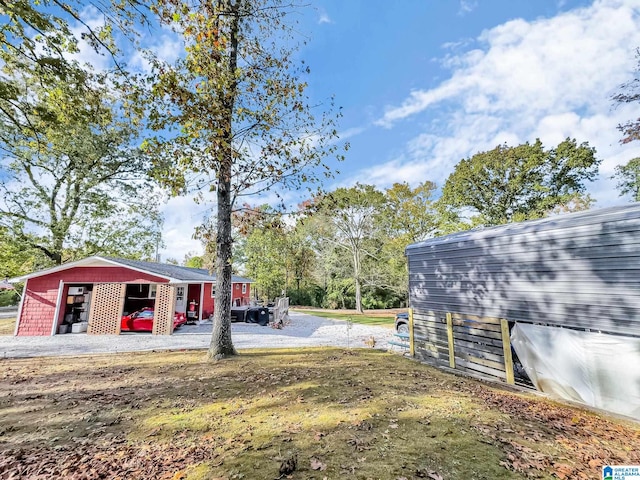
(7, 326)
(300, 414)
(380, 320)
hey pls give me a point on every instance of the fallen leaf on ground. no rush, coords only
(317, 465)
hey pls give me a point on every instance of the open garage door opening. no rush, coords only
(159, 296)
(151, 308)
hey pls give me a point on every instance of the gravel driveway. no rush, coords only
(303, 331)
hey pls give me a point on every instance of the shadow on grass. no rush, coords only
(358, 413)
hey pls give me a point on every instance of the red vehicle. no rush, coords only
(142, 321)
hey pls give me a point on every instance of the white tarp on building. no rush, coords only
(597, 369)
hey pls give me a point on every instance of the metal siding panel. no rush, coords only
(580, 271)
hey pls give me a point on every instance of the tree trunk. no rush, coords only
(221, 343)
(57, 250)
(358, 297)
(356, 277)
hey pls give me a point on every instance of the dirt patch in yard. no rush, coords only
(7, 326)
(300, 414)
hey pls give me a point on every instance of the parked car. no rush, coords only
(142, 321)
(402, 322)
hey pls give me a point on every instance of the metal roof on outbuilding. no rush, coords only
(578, 270)
(186, 274)
(173, 273)
(556, 222)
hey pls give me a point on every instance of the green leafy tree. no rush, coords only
(300, 258)
(348, 221)
(192, 260)
(64, 156)
(266, 260)
(628, 177)
(409, 215)
(72, 185)
(278, 256)
(15, 260)
(244, 124)
(509, 184)
(37, 41)
(261, 243)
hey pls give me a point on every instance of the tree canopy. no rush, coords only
(235, 118)
(628, 176)
(509, 184)
(73, 185)
(349, 222)
(72, 181)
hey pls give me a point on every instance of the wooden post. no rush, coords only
(412, 345)
(506, 348)
(452, 355)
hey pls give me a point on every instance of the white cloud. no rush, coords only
(398, 170)
(420, 100)
(350, 132)
(181, 215)
(467, 6)
(323, 17)
(86, 53)
(168, 48)
(550, 78)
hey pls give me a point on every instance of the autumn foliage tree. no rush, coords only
(235, 118)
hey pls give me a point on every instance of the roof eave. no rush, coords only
(85, 261)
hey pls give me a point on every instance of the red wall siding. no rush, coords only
(38, 307)
(208, 304)
(238, 295)
(104, 275)
(41, 293)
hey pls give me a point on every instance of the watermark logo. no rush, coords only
(621, 472)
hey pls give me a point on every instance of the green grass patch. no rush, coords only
(326, 413)
(7, 326)
(364, 319)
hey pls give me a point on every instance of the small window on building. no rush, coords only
(179, 294)
(152, 290)
(213, 291)
(244, 288)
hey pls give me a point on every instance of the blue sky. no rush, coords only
(425, 83)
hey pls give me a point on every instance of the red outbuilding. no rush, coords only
(96, 292)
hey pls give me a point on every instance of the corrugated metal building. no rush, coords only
(578, 270)
(565, 291)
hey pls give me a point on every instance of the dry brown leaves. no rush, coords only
(114, 460)
(584, 440)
